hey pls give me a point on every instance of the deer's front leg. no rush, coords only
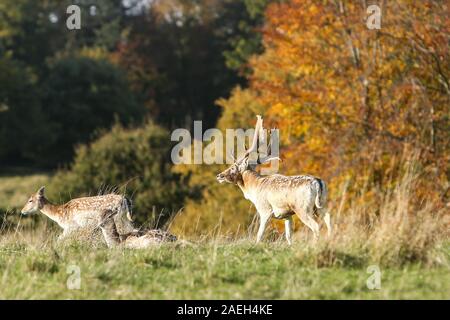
(264, 217)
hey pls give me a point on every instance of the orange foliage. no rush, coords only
(353, 105)
(349, 100)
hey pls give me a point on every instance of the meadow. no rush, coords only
(238, 270)
(410, 250)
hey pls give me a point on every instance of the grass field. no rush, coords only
(410, 249)
(206, 271)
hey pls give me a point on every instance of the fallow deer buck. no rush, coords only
(81, 212)
(277, 195)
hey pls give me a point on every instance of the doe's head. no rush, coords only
(35, 202)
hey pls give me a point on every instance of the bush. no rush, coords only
(135, 162)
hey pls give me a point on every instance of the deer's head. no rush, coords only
(35, 202)
(234, 173)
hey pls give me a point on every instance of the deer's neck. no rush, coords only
(249, 184)
(111, 236)
(54, 212)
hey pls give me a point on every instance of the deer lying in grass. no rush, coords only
(134, 240)
(277, 195)
(82, 212)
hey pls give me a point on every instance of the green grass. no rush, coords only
(17, 186)
(204, 271)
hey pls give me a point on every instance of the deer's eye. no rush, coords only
(31, 200)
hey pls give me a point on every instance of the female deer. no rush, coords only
(81, 212)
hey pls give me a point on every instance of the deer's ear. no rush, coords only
(41, 191)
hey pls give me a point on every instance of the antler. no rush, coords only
(259, 136)
(269, 148)
(231, 155)
(254, 145)
(258, 128)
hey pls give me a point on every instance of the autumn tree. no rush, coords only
(350, 101)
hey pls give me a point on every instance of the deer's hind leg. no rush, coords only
(306, 216)
(325, 214)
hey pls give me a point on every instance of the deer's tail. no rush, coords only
(321, 193)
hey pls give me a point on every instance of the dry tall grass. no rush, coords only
(386, 227)
(392, 231)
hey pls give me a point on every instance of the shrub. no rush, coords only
(133, 161)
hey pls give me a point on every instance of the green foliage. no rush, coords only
(174, 56)
(246, 39)
(135, 162)
(80, 96)
(34, 31)
(177, 65)
(27, 32)
(21, 130)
